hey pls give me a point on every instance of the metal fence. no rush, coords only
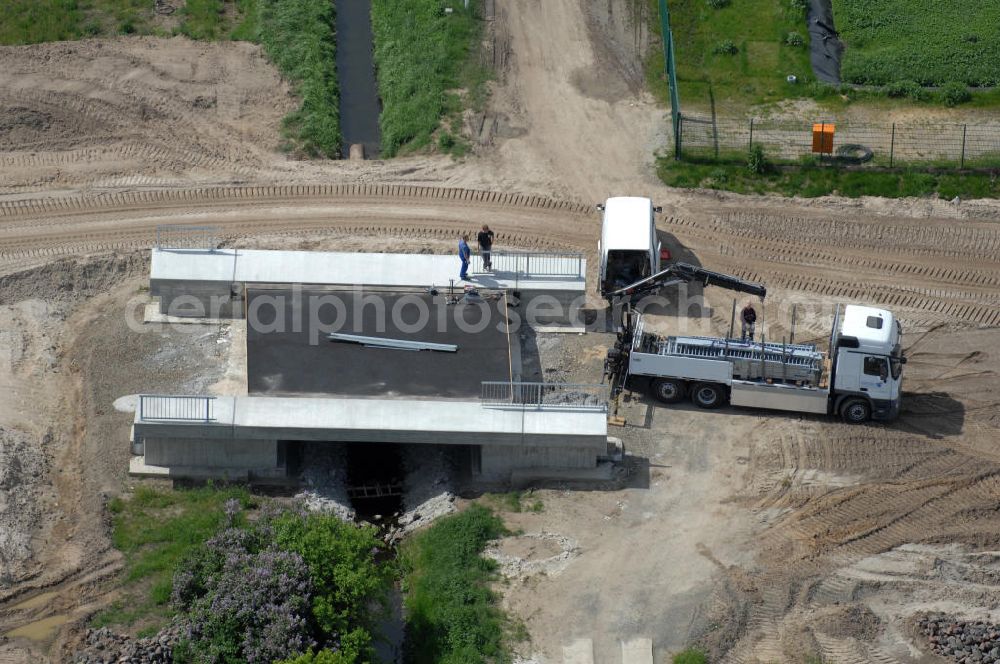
(161, 407)
(533, 263)
(181, 236)
(544, 396)
(878, 144)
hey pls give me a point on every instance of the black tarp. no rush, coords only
(825, 46)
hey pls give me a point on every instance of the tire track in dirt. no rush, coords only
(34, 232)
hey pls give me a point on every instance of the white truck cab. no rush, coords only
(868, 362)
(629, 249)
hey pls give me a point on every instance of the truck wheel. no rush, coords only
(855, 411)
(668, 390)
(708, 395)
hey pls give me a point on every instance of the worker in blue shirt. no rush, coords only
(464, 254)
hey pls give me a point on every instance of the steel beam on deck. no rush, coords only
(398, 344)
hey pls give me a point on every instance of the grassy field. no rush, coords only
(428, 69)
(811, 180)
(926, 41)
(738, 54)
(156, 529)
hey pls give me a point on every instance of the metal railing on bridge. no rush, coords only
(183, 236)
(171, 408)
(528, 264)
(544, 396)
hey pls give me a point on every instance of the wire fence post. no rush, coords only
(750, 147)
(961, 163)
(677, 137)
(892, 145)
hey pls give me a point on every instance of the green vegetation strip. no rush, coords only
(927, 41)
(810, 180)
(422, 56)
(452, 616)
(299, 37)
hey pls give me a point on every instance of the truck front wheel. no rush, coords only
(668, 390)
(708, 395)
(855, 411)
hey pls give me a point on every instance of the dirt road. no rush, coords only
(785, 536)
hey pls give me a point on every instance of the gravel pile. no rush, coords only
(428, 492)
(964, 641)
(106, 647)
(324, 478)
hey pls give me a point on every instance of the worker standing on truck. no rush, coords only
(749, 319)
(485, 238)
(464, 253)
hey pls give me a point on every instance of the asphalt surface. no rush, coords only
(287, 353)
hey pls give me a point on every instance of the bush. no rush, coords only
(280, 587)
(756, 162)
(910, 89)
(726, 47)
(718, 4)
(794, 39)
(801, 6)
(690, 656)
(955, 93)
(446, 141)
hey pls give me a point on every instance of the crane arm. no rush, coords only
(687, 273)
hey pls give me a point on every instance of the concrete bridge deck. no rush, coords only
(199, 282)
(429, 421)
(247, 436)
(522, 271)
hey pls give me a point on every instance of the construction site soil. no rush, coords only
(763, 537)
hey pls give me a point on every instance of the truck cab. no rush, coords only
(867, 371)
(629, 250)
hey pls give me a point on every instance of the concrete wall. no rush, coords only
(221, 457)
(205, 299)
(498, 462)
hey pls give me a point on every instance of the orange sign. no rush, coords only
(823, 138)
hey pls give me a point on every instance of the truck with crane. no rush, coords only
(858, 379)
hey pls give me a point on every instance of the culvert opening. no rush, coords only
(401, 484)
(375, 480)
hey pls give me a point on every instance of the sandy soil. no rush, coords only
(764, 537)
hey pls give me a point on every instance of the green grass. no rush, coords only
(156, 529)
(203, 19)
(428, 70)
(928, 41)
(755, 74)
(37, 21)
(452, 616)
(690, 656)
(514, 501)
(811, 180)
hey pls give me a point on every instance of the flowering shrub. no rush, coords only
(280, 587)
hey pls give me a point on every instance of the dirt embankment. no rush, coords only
(766, 537)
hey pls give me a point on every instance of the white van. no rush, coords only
(629, 249)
